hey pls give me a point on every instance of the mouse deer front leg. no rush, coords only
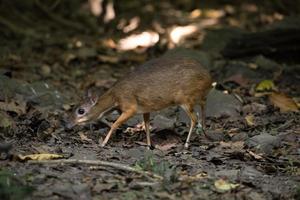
(123, 118)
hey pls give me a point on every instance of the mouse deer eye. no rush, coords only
(80, 111)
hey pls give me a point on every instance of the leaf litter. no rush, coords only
(252, 150)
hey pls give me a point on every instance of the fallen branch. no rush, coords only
(98, 162)
(59, 19)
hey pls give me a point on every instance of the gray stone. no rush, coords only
(240, 137)
(161, 122)
(219, 104)
(264, 142)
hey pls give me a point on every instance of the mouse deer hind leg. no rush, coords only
(203, 115)
(147, 130)
(189, 109)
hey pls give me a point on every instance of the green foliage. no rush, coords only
(11, 188)
(162, 168)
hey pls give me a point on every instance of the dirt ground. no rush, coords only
(49, 58)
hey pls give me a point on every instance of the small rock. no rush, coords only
(254, 108)
(136, 119)
(264, 142)
(249, 174)
(265, 64)
(255, 196)
(215, 135)
(161, 122)
(231, 174)
(45, 70)
(113, 116)
(219, 104)
(239, 137)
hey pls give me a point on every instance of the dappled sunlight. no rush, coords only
(195, 13)
(130, 26)
(96, 7)
(214, 13)
(110, 12)
(179, 33)
(144, 39)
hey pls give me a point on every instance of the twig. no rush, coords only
(17, 30)
(57, 18)
(98, 162)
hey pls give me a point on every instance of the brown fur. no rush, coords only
(155, 85)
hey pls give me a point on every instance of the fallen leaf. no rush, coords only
(224, 185)
(256, 156)
(165, 140)
(252, 65)
(283, 102)
(13, 107)
(265, 85)
(187, 178)
(136, 129)
(83, 137)
(42, 156)
(5, 120)
(108, 59)
(166, 146)
(238, 145)
(250, 120)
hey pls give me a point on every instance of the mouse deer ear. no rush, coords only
(92, 96)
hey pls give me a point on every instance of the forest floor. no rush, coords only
(46, 65)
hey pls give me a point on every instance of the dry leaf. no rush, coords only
(108, 59)
(187, 178)
(83, 137)
(238, 145)
(283, 102)
(42, 156)
(137, 128)
(166, 146)
(252, 65)
(14, 107)
(224, 185)
(250, 120)
(5, 120)
(265, 85)
(256, 156)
